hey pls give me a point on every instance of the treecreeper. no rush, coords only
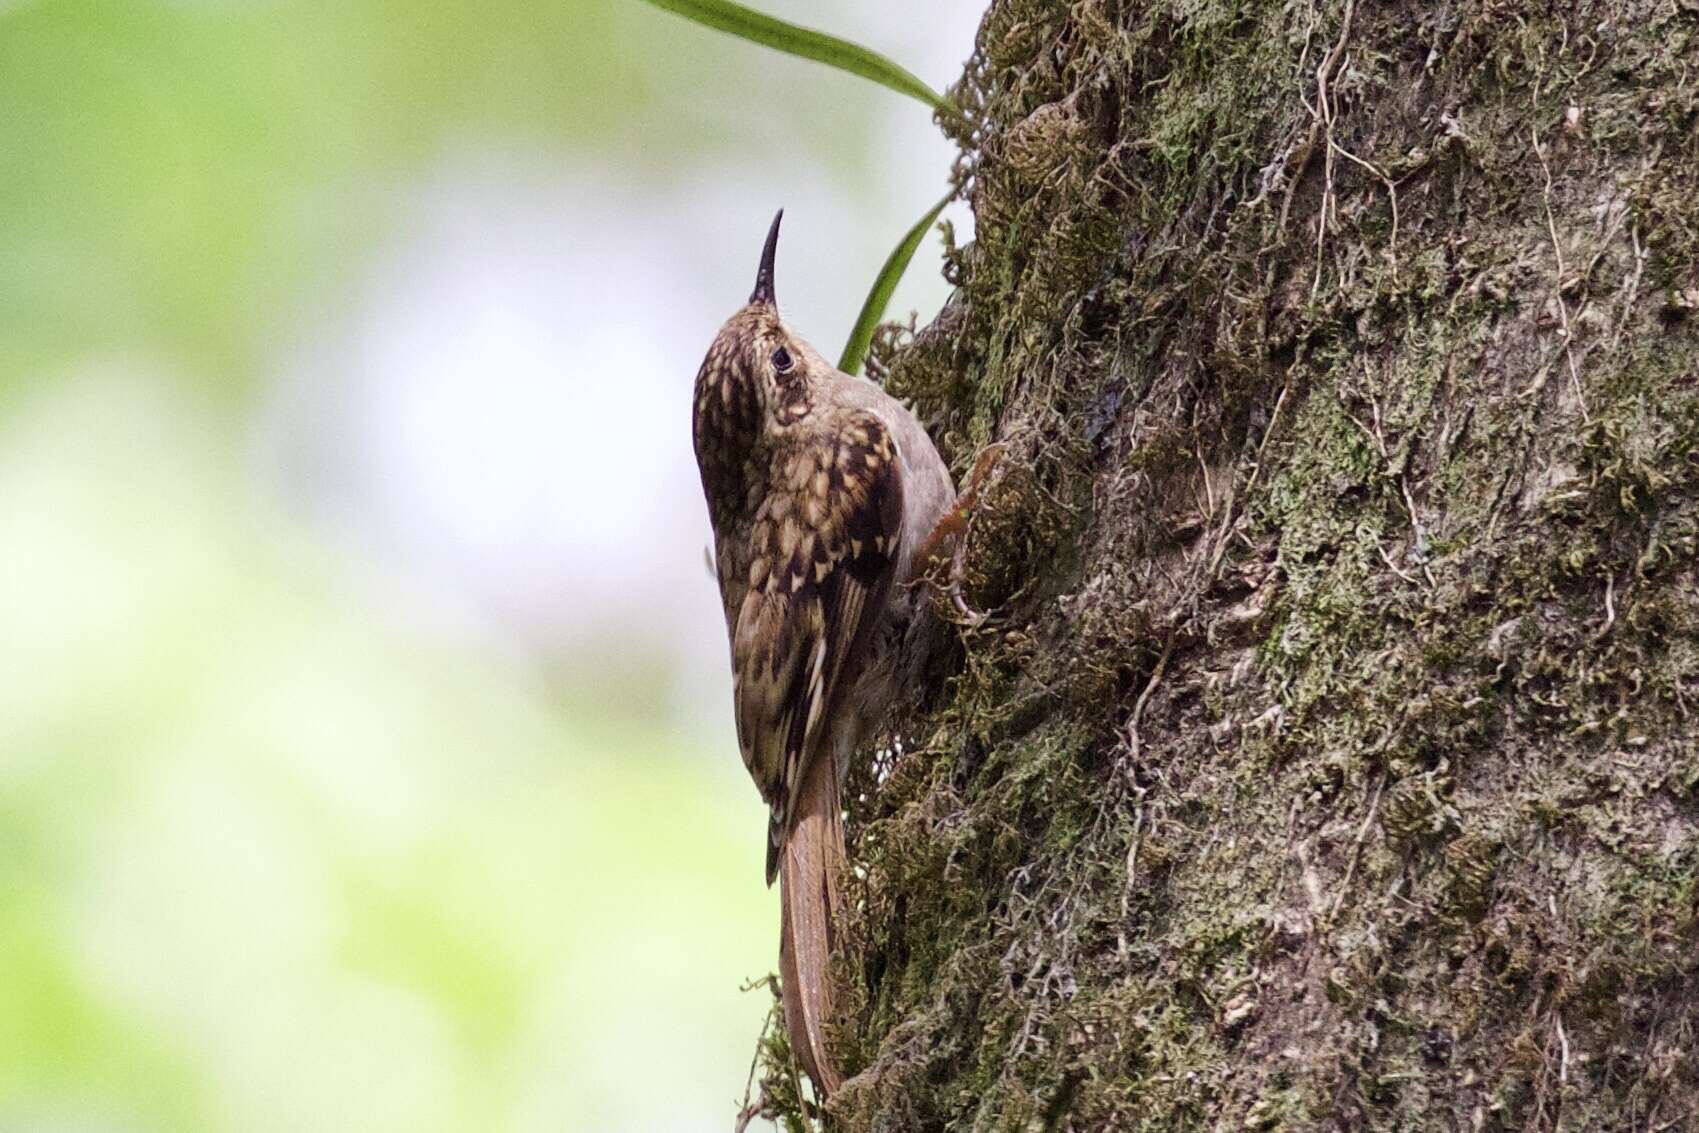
(827, 500)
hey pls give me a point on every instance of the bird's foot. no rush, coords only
(951, 533)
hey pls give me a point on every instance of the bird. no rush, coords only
(827, 500)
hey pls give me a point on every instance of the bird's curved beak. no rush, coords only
(763, 292)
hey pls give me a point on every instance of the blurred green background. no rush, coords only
(365, 747)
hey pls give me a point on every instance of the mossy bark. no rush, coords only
(1327, 758)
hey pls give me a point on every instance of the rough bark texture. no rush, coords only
(1327, 759)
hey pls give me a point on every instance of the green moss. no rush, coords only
(1326, 759)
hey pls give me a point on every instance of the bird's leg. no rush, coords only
(953, 525)
(951, 531)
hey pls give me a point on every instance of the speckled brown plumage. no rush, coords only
(821, 489)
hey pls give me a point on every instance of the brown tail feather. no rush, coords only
(808, 896)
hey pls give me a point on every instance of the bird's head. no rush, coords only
(756, 364)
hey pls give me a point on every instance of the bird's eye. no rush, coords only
(782, 361)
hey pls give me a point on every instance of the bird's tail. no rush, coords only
(809, 865)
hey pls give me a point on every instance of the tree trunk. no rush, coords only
(1327, 758)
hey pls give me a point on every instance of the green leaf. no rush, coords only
(758, 27)
(873, 310)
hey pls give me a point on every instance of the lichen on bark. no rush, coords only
(1327, 759)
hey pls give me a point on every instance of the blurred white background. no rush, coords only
(365, 747)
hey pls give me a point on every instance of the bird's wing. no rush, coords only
(824, 548)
